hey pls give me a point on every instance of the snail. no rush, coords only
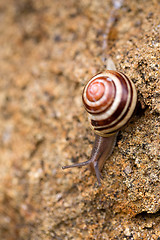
(110, 99)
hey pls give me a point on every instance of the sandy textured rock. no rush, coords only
(49, 50)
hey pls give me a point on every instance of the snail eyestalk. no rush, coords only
(77, 164)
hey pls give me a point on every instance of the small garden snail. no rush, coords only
(110, 99)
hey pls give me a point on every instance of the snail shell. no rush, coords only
(110, 100)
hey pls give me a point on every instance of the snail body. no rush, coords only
(110, 99)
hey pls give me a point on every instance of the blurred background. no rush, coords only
(48, 51)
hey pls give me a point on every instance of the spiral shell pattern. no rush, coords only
(110, 99)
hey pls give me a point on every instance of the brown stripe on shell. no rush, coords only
(119, 109)
(105, 104)
(123, 116)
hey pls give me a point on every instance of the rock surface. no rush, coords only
(49, 50)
